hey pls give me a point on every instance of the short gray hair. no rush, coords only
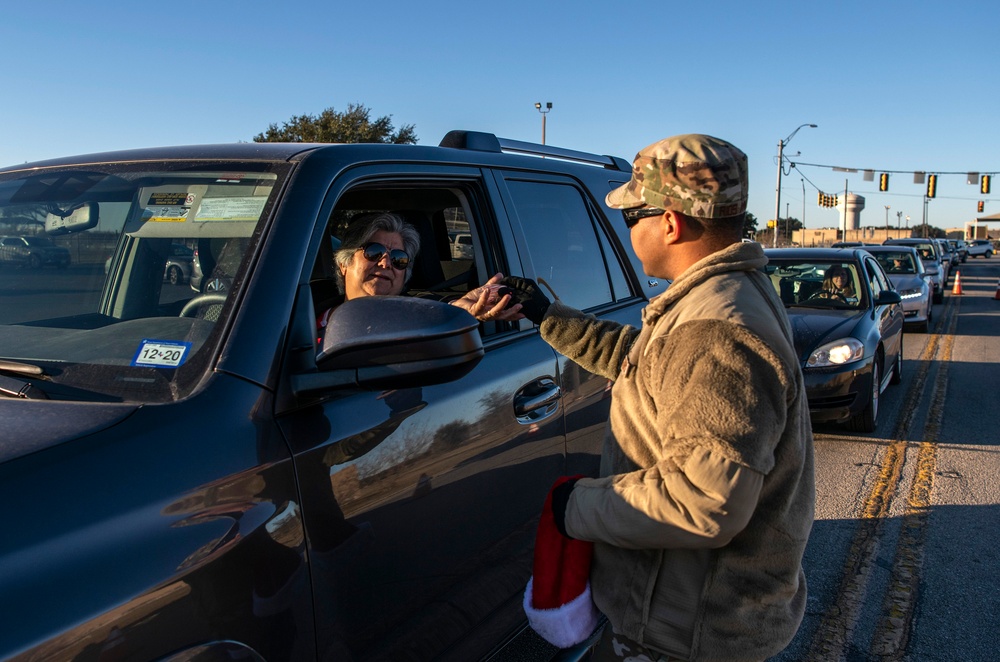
(363, 228)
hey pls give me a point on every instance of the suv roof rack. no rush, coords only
(487, 142)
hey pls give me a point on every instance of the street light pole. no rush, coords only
(548, 107)
(777, 190)
(886, 223)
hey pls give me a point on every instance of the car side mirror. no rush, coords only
(887, 298)
(386, 342)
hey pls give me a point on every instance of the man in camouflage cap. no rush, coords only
(704, 502)
(698, 175)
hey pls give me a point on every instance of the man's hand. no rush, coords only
(488, 304)
(532, 300)
(560, 499)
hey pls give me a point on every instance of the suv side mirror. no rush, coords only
(382, 342)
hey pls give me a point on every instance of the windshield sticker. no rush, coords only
(168, 207)
(245, 208)
(161, 353)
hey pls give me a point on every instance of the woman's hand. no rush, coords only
(485, 304)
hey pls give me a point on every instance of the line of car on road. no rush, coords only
(851, 347)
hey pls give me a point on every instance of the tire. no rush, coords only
(867, 420)
(174, 275)
(897, 368)
(34, 261)
(939, 296)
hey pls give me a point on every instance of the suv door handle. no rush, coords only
(537, 400)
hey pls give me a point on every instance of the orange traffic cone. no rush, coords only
(997, 295)
(957, 289)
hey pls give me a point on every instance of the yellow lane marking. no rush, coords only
(835, 631)
(893, 630)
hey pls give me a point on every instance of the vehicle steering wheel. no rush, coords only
(192, 306)
(827, 294)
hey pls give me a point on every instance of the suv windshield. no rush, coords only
(154, 253)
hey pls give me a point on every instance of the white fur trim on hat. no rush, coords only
(563, 626)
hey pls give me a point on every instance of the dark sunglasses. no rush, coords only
(374, 252)
(633, 216)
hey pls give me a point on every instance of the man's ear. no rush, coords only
(672, 227)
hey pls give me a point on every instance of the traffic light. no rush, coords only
(827, 200)
(931, 186)
(883, 181)
(980, 206)
(984, 185)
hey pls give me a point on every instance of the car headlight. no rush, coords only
(910, 294)
(838, 352)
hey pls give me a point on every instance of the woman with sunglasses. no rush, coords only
(376, 259)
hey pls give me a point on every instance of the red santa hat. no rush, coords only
(557, 600)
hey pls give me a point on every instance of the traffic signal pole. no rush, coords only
(777, 194)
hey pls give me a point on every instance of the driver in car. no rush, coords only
(837, 285)
(376, 258)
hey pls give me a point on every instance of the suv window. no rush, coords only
(562, 239)
(452, 259)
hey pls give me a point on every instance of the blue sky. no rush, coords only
(892, 86)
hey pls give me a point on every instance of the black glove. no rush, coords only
(560, 499)
(527, 293)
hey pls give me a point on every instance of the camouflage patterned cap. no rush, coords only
(694, 174)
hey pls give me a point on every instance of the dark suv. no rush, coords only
(197, 474)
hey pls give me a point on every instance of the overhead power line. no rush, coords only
(896, 172)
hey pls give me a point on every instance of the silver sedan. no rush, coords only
(906, 271)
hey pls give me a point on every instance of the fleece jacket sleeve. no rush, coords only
(702, 425)
(599, 346)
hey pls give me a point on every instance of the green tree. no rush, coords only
(787, 225)
(749, 226)
(925, 230)
(354, 125)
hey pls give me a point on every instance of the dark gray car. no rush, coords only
(34, 252)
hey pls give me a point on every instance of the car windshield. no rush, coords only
(153, 255)
(900, 262)
(816, 283)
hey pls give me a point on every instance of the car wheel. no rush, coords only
(174, 274)
(867, 420)
(897, 369)
(939, 295)
(34, 261)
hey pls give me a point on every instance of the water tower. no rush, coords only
(850, 211)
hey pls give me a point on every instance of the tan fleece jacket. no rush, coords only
(706, 498)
